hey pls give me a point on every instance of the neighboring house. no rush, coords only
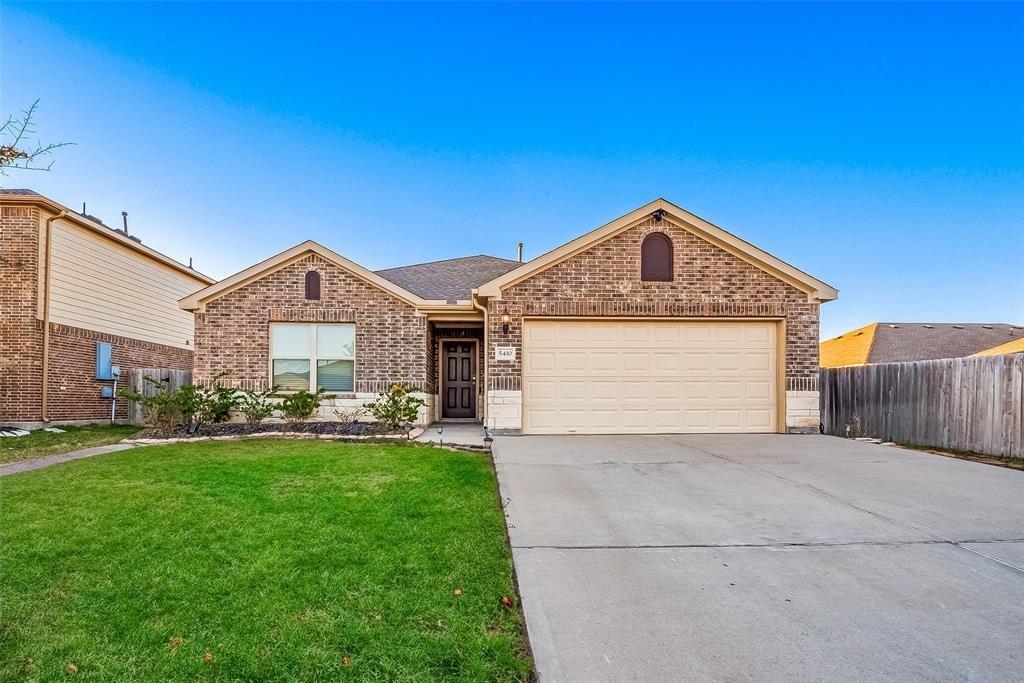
(107, 297)
(898, 342)
(1015, 346)
(655, 322)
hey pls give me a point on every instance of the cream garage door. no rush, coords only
(611, 377)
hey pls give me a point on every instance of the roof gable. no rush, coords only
(815, 289)
(198, 300)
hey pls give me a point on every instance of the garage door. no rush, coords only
(598, 377)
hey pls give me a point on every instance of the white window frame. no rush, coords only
(313, 355)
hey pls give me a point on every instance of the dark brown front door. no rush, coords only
(459, 379)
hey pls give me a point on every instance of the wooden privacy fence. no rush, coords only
(964, 404)
(171, 379)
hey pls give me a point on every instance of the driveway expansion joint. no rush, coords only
(780, 544)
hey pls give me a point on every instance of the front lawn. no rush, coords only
(258, 560)
(41, 442)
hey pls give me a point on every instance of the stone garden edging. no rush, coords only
(375, 438)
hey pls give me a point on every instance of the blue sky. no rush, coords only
(878, 146)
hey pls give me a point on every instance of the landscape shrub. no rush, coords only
(347, 418)
(302, 404)
(188, 404)
(256, 405)
(395, 407)
(161, 409)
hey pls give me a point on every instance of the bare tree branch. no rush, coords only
(15, 153)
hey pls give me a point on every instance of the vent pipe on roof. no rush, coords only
(520, 247)
(124, 218)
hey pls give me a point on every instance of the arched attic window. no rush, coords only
(656, 258)
(312, 285)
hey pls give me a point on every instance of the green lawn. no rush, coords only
(283, 560)
(41, 442)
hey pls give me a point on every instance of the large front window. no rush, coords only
(313, 356)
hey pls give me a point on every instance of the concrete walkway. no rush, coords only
(46, 461)
(763, 557)
(454, 433)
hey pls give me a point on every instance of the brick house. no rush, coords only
(656, 322)
(75, 294)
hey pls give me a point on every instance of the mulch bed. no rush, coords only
(245, 429)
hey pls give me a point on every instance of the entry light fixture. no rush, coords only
(506, 320)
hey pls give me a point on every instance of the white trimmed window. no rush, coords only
(309, 357)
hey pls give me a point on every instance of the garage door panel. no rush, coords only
(724, 361)
(758, 361)
(538, 361)
(540, 390)
(759, 391)
(609, 377)
(728, 335)
(604, 390)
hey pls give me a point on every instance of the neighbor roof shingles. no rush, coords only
(451, 278)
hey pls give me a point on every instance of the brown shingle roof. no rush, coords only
(897, 342)
(22, 193)
(1015, 346)
(451, 278)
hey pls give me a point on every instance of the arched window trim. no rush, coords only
(657, 258)
(312, 285)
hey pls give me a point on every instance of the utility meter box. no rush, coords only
(104, 361)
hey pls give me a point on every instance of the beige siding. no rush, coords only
(100, 285)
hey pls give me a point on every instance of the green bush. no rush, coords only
(302, 404)
(188, 404)
(256, 405)
(162, 409)
(395, 407)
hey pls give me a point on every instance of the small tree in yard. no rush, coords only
(16, 151)
(395, 407)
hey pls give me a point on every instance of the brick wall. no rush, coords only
(708, 282)
(233, 334)
(21, 343)
(74, 393)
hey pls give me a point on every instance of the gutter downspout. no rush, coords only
(44, 412)
(487, 353)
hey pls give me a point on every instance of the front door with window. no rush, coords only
(459, 380)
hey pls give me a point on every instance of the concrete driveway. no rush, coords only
(761, 557)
